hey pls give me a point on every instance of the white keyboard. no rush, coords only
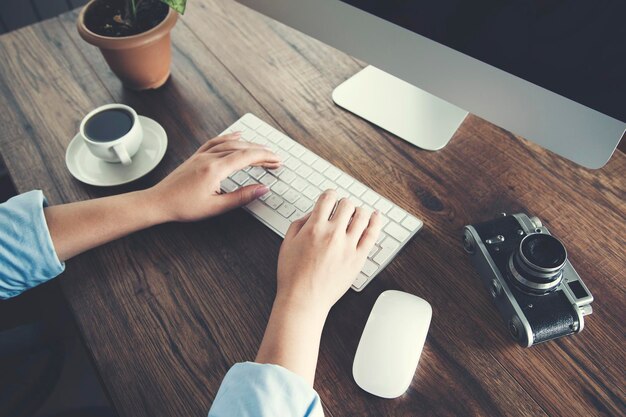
(295, 186)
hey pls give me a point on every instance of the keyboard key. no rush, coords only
(332, 173)
(341, 193)
(287, 176)
(344, 181)
(389, 247)
(286, 210)
(237, 127)
(370, 197)
(397, 232)
(369, 268)
(299, 184)
(275, 137)
(274, 201)
(382, 256)
(397, 214)
(303, 204)
(411, 223)
(304, 171)
(277, 221)
(357, 189)
(257, 172)
(381, 237)
(383, 205)
(251, 121)
(320, 165)
(240, 177)
(373, 252)
(296, 150)
(284, 155)
(279, 188)
(228, 185)
(285, 142)
(315, 179)
(276, 172)
(308, 157)
(384, 220)
(255, 139)
(312, 192)
(266, 196)
(248, 135)
(291, 163)
(328, 185)
(360, 280)
(264, 129)
(291, 196)
(268, 179)
(390, 243)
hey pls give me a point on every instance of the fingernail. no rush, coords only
(260, 191)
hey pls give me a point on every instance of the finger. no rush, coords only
(232, 145)
(269, 165)
(220, 139)
(358, 224)
(246, 157)
(371, 233)
(324, 206)
(296, 226)
(343, 213)
(240, 197)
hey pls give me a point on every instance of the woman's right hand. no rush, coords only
(323, 252)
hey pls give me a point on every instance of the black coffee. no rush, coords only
(108, 125)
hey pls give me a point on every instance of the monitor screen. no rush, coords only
(575, 48)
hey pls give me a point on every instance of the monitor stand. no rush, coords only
(406, 111)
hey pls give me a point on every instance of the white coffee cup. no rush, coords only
(112, 142)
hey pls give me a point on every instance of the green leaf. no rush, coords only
(178, 5)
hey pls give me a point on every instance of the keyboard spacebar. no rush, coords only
(270, 217)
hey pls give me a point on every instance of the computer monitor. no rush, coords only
(552, 71)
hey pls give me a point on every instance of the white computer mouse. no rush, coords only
(391, 344)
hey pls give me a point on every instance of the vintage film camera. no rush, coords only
(539, 294)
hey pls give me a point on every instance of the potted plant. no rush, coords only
(133, 36)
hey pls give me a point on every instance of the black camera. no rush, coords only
(539, 294)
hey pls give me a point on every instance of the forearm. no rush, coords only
(292, 337)
(78, 227)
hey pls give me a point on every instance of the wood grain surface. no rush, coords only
(165, 312)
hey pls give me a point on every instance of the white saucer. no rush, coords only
(93, 171)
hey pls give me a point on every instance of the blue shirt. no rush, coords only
(28, 258)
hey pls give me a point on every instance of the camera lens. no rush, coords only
(543, 251)
(537, 264)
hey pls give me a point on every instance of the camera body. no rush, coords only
(526, 271)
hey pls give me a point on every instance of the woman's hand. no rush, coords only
(320, 257)
(192, 191)
(323, 253)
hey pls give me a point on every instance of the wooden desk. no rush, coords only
(167, 311)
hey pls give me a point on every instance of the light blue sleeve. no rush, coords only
(27, 256)
(261, 390)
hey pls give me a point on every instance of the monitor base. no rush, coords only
(406, 111)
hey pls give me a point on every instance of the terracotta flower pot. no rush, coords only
(140, 61)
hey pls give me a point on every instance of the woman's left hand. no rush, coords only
(192, 191)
